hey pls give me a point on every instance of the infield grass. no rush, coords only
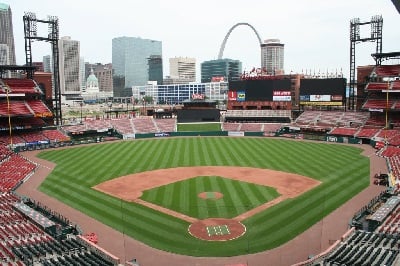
(238, 197)
(343, 171)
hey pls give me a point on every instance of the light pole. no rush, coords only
(81, 104)
(109, 106)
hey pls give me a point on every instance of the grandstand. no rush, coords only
(30, 234)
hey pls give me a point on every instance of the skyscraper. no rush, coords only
(228, 69)
(7, 55)
(272, 56)
(130, 61)
(69, 66)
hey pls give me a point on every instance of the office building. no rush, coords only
(272, 56)
(70, 85)
(130, 61)
(7, 48)
(226, 69)
(155, 65)
(182, 70)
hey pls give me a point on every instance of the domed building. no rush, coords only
(92, 84)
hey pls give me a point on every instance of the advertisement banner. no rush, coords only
(232, 95)
(304, 98)
(322, 103)
(241, 96)
(320, 98)
(282, 96)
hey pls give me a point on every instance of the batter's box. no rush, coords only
(217, 230)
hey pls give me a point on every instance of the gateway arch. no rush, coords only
(221, 49)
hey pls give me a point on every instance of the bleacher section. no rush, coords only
(332, 119)
(267, 116)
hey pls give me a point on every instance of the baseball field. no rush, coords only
(162, 214)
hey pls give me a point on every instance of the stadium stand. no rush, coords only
(372, 239)
(28, 231)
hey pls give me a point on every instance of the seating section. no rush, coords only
(14, 108)
(379, 104)
(54, 135)
(367, 132)
(343, 131)
(13, 170)
(390, 151)
(19, 86)
(39, 108)
(22, 242)
(144, 125)
(166, 125)
(361, 247)
(332, 118)
(376, 86)
(258, 113)
(387, 70)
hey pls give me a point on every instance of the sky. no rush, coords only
(315, 33)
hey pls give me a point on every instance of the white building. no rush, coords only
(182, 70)
(272, 56)
(178, 93)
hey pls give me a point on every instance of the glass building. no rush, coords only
(227, 68)
(130, 61)
(155, 64)
(178, 93)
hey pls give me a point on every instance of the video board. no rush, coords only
(330, 91)
(259, 90)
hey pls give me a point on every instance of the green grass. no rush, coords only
(238, 197)
(341, 169)
(199, 127)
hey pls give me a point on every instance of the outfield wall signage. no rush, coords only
(235, 133)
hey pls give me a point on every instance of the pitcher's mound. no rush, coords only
(217, 229)
(210, 195)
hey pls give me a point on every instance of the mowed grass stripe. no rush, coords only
(338, 166)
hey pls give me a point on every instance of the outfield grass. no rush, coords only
(341, 169)
(238, 197)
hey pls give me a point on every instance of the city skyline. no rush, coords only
(316, 35)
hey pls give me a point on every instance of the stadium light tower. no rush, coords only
(375, 36)
(30, 32)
